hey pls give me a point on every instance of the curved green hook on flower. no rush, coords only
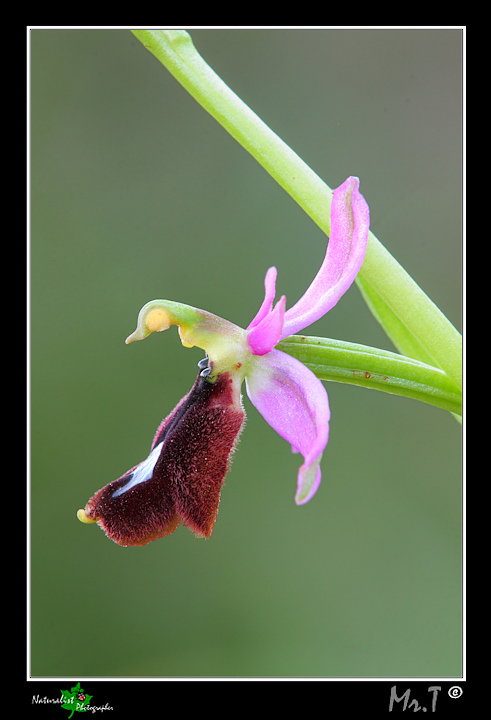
(182, 477)
(224, 342)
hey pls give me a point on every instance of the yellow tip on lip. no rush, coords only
(83, 517)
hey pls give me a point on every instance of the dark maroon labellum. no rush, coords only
(182, 481)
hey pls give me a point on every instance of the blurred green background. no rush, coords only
(137, 193)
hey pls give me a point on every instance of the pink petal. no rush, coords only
(350, 221)
(270, 290)
(294, 402)
(264, 336)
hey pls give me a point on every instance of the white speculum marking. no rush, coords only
(142, 472)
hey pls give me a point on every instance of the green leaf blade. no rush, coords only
(339, 361)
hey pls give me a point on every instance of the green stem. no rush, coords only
(175, 50)
(369, 367)
(417, 325)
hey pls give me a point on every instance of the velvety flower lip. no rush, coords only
(181, 479)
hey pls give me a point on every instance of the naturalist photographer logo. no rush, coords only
(73, 700)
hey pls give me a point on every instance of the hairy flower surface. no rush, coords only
(181, 479)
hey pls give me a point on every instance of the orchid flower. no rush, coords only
(182, 477)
